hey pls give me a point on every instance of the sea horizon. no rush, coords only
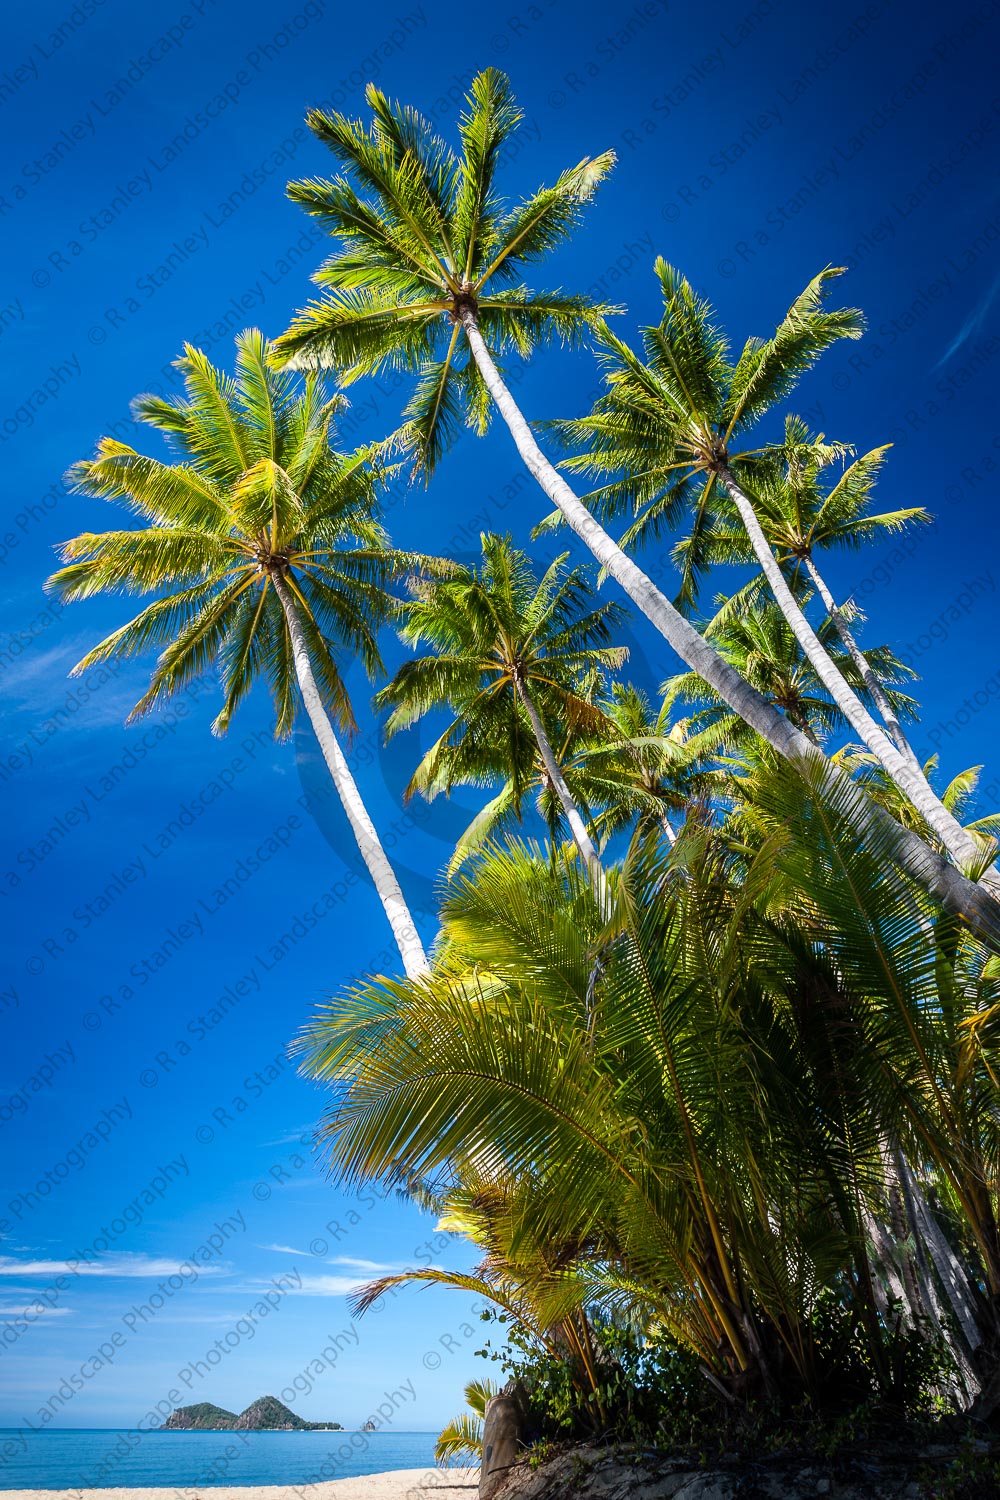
(122, 1457)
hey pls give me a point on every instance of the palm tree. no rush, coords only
(758, 641)
(630, 769)
(429, 254)
(800, 517)
(463, 1436)
(264, 549)
(924, 996)
(654, 1118)
(670, 426)
(957, 796)
(512, 655)
(633, 769)
(684, 1122)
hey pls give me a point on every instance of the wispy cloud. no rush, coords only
(124, 1265)
(38, 683)
(38, 1309)
(972, 324)
(328, 1286)
(362, 1265)
(369, 1267)
(295, 1135)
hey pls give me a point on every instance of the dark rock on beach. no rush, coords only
(589, 1473)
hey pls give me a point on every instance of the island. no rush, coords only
(266, 1414)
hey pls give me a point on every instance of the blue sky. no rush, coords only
(144, 1080)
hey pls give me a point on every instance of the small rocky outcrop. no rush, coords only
(203, 1417)
(266, 1414)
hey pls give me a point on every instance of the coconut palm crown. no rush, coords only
(671, 427)
(495, 631)
(519, 661)
(257, 494)
(813, 496)
(424, 237)
(757, 640)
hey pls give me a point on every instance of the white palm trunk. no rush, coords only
(960, 844)
(379, 868)
(571, 812)
(935, 874)
(871, 682)
(952, 1275)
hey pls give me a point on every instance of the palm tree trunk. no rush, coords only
(922, 863)
(960, 844)
(960, 1332)
(577, 827)
(383, 876)
(699, 655)
(868, 676)
(962, 1294)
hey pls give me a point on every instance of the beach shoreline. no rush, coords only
(393, 1484)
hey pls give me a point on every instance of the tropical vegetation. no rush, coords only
(702, 1060)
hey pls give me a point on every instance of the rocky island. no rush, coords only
(266, 1414)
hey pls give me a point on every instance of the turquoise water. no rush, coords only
(98, 1458)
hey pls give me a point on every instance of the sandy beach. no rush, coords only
(398, 1484)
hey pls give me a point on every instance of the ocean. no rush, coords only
(105, 1458)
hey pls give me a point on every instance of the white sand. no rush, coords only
(399, 1484)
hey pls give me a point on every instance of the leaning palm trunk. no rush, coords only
(960, 844)
(571, 812)
(868, 677)
(950, 885)
(963, 1295)
(381, 871)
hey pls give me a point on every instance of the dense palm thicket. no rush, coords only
(707, 1073)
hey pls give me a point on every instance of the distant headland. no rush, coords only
(266, 1414)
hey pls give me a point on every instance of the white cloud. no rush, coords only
(124, 1265)
(362, 1265)
(369, 1267)
(328, 1286)
(38, 1309)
